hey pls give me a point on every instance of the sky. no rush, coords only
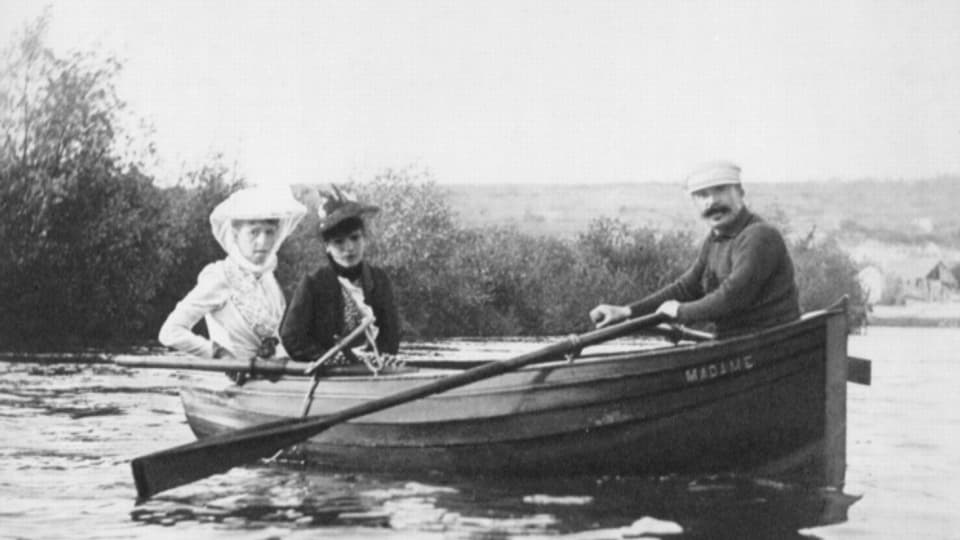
(572, 92)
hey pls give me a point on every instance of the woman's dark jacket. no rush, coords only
(314, 319)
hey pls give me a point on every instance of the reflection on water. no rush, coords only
(280, 496)
(67, 434)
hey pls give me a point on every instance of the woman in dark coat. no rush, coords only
(332, 301)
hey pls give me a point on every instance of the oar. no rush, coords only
(314, 368)
(677, 332)
(180, 465)
(254, 366)
(339, 346)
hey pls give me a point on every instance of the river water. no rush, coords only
(67, 433)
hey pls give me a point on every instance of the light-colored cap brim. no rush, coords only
(712, 174)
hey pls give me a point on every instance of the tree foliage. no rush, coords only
(90, 242)
(456, 281)
(189, 240)
(75, 224)
(452, 280)
(94, 251)
(826, 273)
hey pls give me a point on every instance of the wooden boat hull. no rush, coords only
(773, 397)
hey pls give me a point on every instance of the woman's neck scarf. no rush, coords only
(352, 273)
(355, 306)
(249, 294)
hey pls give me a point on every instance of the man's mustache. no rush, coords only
(716, 209)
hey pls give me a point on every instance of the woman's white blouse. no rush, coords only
(210, 300)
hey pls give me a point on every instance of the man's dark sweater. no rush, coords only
(742, 280)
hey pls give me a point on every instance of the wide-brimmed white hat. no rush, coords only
(712, 173)
(259, 203)
(256, 203)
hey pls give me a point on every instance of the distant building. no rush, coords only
(924, 279)
(874, 284)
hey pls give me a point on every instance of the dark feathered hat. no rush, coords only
(337, 205)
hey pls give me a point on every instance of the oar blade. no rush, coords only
(187, 463)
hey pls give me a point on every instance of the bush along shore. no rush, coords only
(97, 253)
(916, 314)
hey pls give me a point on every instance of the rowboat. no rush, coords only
(768, 401)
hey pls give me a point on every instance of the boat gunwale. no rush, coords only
(736, 387)
(648, 362)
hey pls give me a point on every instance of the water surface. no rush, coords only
(67, 433)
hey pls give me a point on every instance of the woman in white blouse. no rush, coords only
(238, 296)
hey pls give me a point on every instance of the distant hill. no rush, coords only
(891, 212)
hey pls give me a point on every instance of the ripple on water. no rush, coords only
(84, 488)
(260, 497)
(283, 498)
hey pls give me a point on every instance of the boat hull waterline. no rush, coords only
(775, 399)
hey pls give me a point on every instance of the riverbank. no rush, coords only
(916, 314)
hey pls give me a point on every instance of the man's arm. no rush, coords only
(755, 257)
(686, 287)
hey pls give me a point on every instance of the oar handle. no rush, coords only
(282, 366)
(677, 332)
(312, 368)
(257, 365)
(315, 365)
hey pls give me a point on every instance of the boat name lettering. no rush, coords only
(719, 369)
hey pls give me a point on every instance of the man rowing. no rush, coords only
(742, 279)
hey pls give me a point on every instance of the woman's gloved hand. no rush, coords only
(268, 347)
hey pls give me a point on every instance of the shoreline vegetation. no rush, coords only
(97, 252)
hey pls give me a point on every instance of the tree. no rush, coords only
(415, 237)
(826, 273)
(86, 246)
